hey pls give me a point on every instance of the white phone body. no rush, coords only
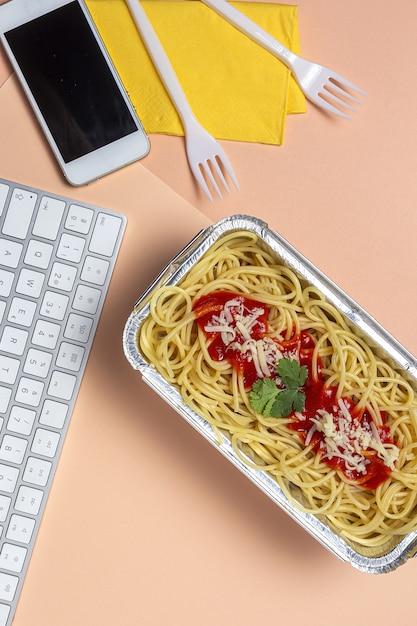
(73, 87)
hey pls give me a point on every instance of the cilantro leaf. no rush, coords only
(263, 396)
(286, 401)
(292, 374)
(269, 400)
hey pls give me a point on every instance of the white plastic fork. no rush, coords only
(318, 83)
(206, 157)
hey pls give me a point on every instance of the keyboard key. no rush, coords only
(79, 219)
(20, 528)
(105, 234)
(5, 503)
(70, 248)
(38, 254)
(62, 385)
(46, 334)
(12, 557)
(37, 471)
(45, 442)
(48, 219)
(54, 305)
(95, 270)
(8, 369)
(22, 311)
(8, 586)
(19, 213)
(53, 413)
(30, 283)
(4, 190)
(8, 478)
(37, 363)
(10, 252)
(70, 356)
(86, 299)
(29, 391)
(6, 282)
(78, 328)
(4, 614)
(29, 500)
(21, 420)
(13, 340)
(62, 276)
(12, 449)
(5, 395)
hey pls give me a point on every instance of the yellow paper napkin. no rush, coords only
(237, 90)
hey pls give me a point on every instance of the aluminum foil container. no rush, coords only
(384, 345)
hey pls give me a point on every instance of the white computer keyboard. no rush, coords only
(56, 259)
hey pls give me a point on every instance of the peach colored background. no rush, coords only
(147, 524)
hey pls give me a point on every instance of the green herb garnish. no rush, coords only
(267, 399)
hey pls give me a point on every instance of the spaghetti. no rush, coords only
(375, 515)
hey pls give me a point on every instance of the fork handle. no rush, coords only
(252, 30)
(162, 63)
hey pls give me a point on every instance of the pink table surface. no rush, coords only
(147, 524)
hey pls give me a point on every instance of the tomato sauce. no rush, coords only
(225, 342)
(207, 311)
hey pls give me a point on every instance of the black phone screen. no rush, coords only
(71, 82)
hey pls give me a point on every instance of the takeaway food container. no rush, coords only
(384, 345)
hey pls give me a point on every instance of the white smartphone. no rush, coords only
(73, 87)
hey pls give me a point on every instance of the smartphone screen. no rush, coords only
(70, 81)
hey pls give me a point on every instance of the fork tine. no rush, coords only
(321, 102)
(201, 181)
(209, 174)
(216, 166)
(333, 97)
(338, 88)
(227, 166)
(343, 82)
(221, 161)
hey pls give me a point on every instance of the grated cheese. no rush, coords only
(235, 323)
(347, 439)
